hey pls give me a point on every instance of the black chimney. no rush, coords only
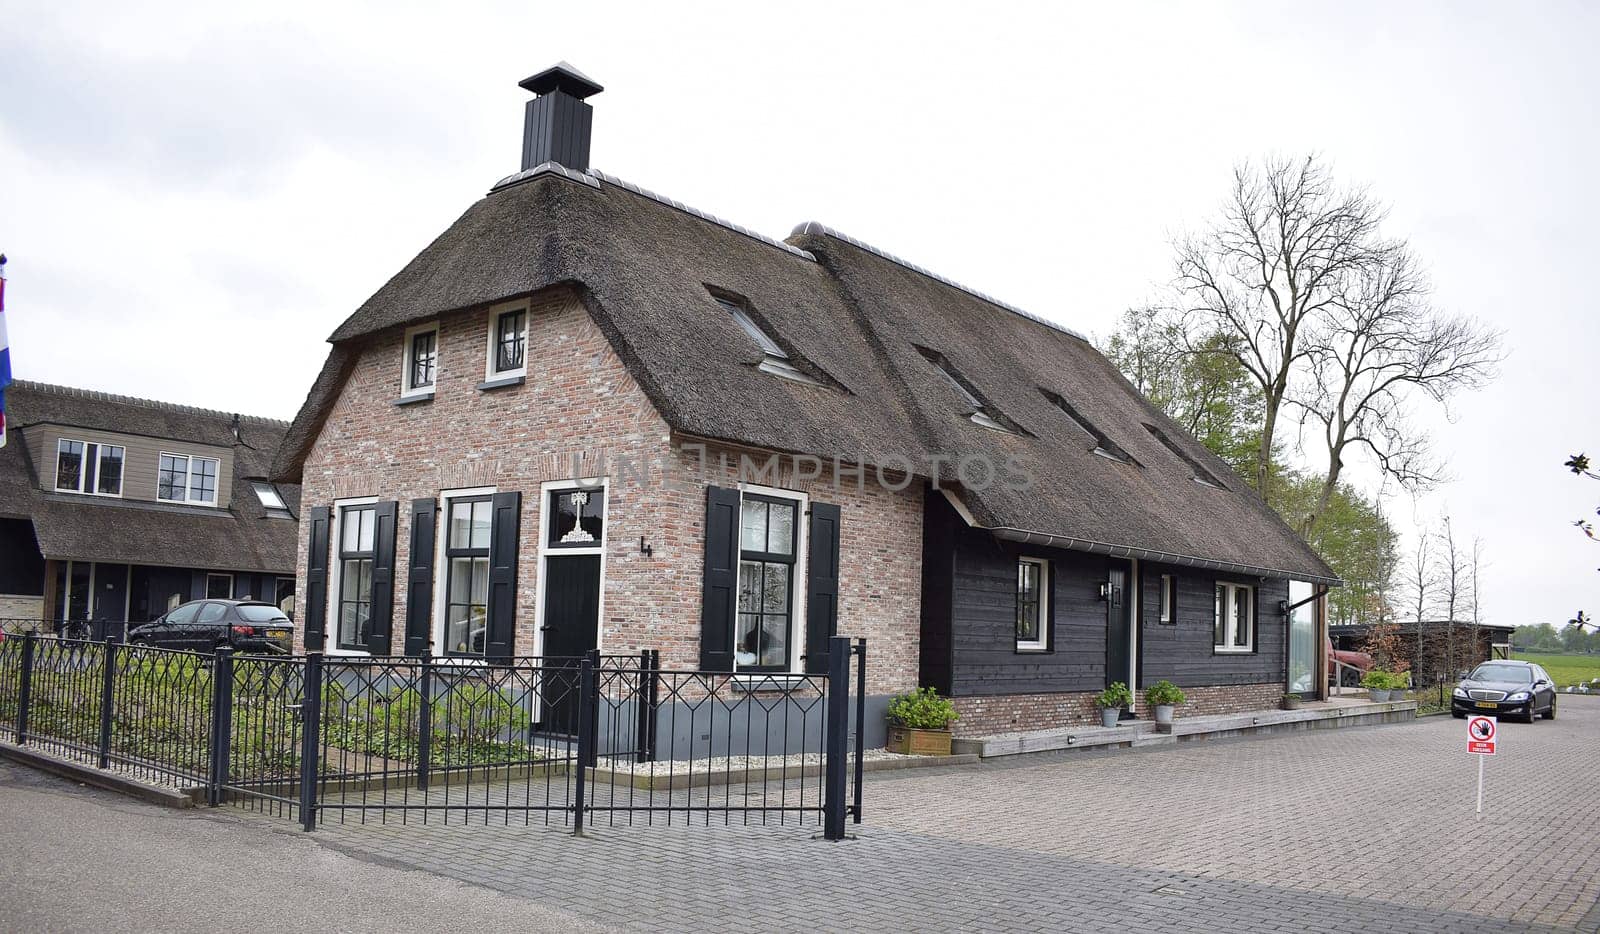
(556, 127)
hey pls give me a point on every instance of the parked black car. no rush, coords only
(206, 625)
(1506, 688)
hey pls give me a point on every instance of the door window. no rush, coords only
(211, 613)
(184, 615)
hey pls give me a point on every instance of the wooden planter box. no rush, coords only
(909, 742)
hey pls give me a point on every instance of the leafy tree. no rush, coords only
(1356, 540)
(1579, 464)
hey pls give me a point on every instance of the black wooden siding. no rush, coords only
(973, 612)
(1182, 652)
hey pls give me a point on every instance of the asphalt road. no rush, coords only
(79, 859)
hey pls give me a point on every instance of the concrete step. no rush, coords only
(1141, 733)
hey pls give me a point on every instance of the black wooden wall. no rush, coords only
(969, 619)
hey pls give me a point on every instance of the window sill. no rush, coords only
(1032, 650)
(1240, 650)
(415, 398)
(501, 382)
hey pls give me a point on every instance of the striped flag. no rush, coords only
(5, 352)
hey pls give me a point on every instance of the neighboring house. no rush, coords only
(118, 509)
(589, 416)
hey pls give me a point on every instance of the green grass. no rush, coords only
(1566, 669)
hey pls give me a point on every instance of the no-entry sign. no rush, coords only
(1480, 735)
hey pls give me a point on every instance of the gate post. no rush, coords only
(641, 711)
(221, 723)
(425, 723)
(835, 740)
(108, 681)
(25, 688)
(652, 701)
(586, 713)
(861, 726)
(310, 742)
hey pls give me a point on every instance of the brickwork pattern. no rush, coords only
(1010, 713)
(13, 606)
(580, 414)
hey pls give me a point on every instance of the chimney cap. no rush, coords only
(562, 77)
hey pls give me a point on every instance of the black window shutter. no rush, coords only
(381, 623)
(505, 518)
(316, 608)
(719, 594)
(419, 584)
(822, 585)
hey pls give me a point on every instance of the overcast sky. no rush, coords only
(194, 196)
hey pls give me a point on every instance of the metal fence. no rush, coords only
(568, 741)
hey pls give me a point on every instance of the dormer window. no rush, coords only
(184, 478)
(421, 361)
(980, 412)
(1103, 446)
(775, 359)
(87, 467)
(1200, 475)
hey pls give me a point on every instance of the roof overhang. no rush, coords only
(1073, 543)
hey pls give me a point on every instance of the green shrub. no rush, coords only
(1376, 679)
(1115, 697)
(922, 709)
(1164, 693)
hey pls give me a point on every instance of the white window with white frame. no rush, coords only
(768, 634)
(187, 478)
(1235, 624)
(1033, 605)
(420, 366)
(461, 583)
(1169, 600)
(508, 343)
(88, 467)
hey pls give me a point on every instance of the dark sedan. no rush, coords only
(1505, 688)
(206, 625)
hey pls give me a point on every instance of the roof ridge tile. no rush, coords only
(96, 395)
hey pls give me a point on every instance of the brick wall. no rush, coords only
(1009, 713)
(15, 607)
(581, 414)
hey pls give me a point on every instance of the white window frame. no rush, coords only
(802, 570)
(188, 474)
(330, 641)
(492, 356)
(407, 391)
(441, 572)
(1169, 599)
(1042, 644)
(89, 474)
(1229, 592)
(263, 491)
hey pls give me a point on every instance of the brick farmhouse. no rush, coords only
(588, 416)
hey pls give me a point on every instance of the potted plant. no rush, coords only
(1291, 702)
(1398, 682)
(1112, 700)
(919, 723)
(1163, 696)
(1376, 681)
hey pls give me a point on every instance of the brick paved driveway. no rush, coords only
(1362, 829)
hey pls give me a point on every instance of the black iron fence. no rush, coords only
(569, 741)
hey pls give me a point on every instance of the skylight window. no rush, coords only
(979, 411)
(775, 360)
(268, 494)
(1103, 445)
(1201, 475)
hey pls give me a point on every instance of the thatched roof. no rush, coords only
(239, 538)
(645, 266)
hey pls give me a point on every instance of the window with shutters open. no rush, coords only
(352, 537)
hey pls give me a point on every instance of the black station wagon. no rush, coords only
(206, 625)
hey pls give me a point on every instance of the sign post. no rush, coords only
(1481, 742)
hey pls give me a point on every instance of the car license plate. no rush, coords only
(278, 635)
(1489, 704)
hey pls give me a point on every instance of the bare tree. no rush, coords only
(1454, 571)
(1477, 595)
(1380, 345)
(1421, 584)
(1281, 255)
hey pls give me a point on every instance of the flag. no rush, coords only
(5, 352)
